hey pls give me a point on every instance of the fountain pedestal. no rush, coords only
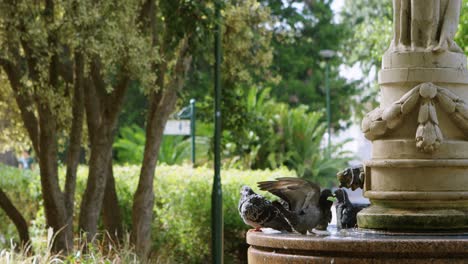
(417, 178)
(356, 247)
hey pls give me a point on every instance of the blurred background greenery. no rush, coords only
(274, 118)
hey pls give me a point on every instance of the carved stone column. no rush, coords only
(417, 178)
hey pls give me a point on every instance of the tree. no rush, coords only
(71, 61)
(301, 31)
(57, 55)
(160, 23)
(31, 60)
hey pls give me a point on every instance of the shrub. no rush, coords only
(181, 226)
(23, 189)
(181, 230)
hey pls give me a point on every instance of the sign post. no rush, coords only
(183, 126)
(192, 128)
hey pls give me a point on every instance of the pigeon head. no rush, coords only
(341, 195)
(324, 195)
(246, 191)
(345, 177)
(352, 177)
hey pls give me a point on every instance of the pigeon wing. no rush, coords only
(297, 192)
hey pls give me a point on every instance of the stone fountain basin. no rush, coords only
(358, 246)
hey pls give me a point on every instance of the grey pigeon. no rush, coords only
(259, 212)
(305, 212)
(346, 211)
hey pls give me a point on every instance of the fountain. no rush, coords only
(417, 179)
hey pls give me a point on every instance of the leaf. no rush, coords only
(446, 103)
(391, 112)
(423, 115)
(408, 105)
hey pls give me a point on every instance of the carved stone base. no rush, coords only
(414, 219)
(417, 178)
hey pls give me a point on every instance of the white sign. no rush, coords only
(177, 127)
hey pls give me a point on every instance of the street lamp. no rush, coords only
(327, 55)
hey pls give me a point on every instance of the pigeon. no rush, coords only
(352, 177)
(259, 212)
(306, 209)
(325, 205)
(346, 211)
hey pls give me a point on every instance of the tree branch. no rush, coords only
(117, 98)
(17, 219)
(99, 84)
(23, 100)
(92, 107)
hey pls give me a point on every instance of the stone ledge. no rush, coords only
(356, 247)
(392, 60)
(420, 75)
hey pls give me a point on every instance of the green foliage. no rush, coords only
(247, 55)
(130, 146)
(182, 209)
(281, 135)
(371, 21)
(13, 134)
(462, 35)
(174, 150)
(302, 140)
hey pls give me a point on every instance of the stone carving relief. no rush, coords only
(425, 25)
(428, 134)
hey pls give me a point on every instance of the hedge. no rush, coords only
(181, 226)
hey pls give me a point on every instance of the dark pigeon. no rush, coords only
(325, 206)
(305, 211)
(346, 211)
(258, 212)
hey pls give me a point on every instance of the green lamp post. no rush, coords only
(216, 195)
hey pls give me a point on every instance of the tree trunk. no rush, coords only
(42, 133)
(143, 201)
(54, 204)
(102, 111)
(111, 215)
(93, 196)
(17, 219)
(74, 148)
(162, 104)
